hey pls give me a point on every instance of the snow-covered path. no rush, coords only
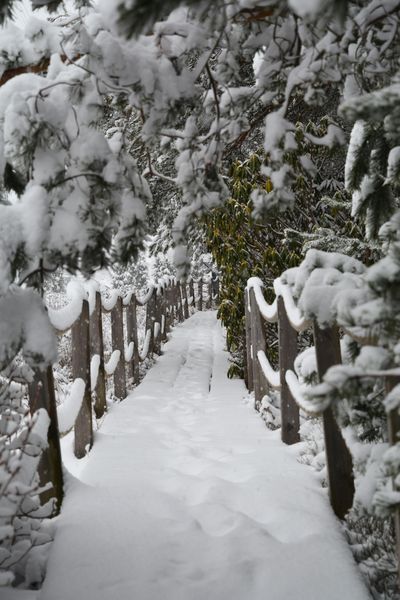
(187, 496)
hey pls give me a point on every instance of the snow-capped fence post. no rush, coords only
(117, 336)
(41, 395)
(132, 336)
(185, 301)
(338, 457)
(200, 293)
(394, 433)
(83, 439)
(97, 348)
(290, 417)
(258, 344)
(248, 362)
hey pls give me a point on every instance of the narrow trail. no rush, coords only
(187, 496)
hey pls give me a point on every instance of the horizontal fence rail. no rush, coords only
(165, 304)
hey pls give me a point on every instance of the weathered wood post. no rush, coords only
(248, 360)
(117, 337)
(287, 353)
(158, 311)
(151, 318)
(97, 348)
(81, 368)
(394, 438)
(167, 309)
(171, 302)
(178, 296)
(41, 395)
(132, 336)
(162, 314)
(338, 457)
(257, 343)
(185, 301)
(200, 293)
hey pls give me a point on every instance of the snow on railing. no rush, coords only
(268, 311)
(142, 300)
(146, 345)
(110, 301)
(112, 362)
(272, 376)
(69, 409)
(297, 391)
(129, 352)
(294, 314)
(63, 318)
(94, 371)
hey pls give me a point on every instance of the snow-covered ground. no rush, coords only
(187, 496)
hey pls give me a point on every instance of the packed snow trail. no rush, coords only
(187, 496)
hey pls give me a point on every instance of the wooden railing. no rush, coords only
(261, 377)
(165, 304)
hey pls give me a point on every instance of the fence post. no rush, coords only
(185, 301)
(97, 347)
(200, 292)
(165, 313)
(178, 296)
(41, 395)
(167, 309)
(150, 319)
(162, 314)
(158, 310)
(248, 361)
(287, 353)
(131, 335)
(394, 432)
(257, 343)
(338, 457)
(81, 368)
(171, 303)
(117, 337)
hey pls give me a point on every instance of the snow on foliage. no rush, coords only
(320, 281)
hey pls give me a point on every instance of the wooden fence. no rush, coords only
(165, 304)
(261, 376)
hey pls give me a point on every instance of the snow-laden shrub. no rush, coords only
(24, 535)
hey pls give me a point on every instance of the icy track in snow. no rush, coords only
(187, 496)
